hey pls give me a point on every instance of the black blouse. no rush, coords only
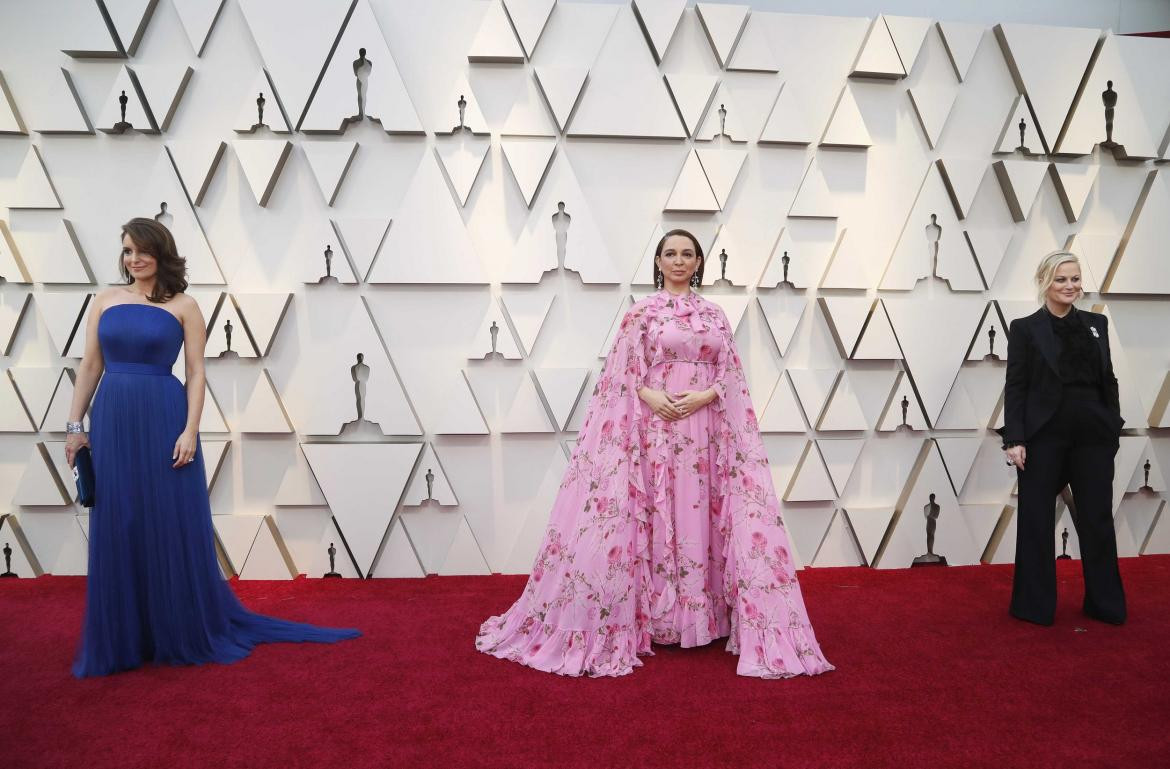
(1080, 363)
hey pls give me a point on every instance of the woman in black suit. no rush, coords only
(1062, 425)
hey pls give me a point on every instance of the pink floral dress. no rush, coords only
(663, 531)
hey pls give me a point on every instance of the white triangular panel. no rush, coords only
(840, 457)
(39, 485)
(1141, 267)
(55, 255)
(847, 315)
(963, 176)
(528, 159)
(462, 156)
(262, 412)
(529, 18)
(495, 42)
(164, 84)
(659, 20)
(32, 187)
(743, 265)
(625, 95)
(298, 487)
(197, 18)
(813, 387)
(561, 87)
(783, 311)
(953, 538)
(10, 121)
(692, 93)
(61, 314)
(137, 110)
(903, 394)
(217, 337)
(723, 25)
(1048, 64)
(441, 492)
(723, 118)
(562, 388)
(64, 112)
(692, 191)
(211, 418)
(908, 33)
(428, 223)
(398, 559)
(870, 524)
(813, 199)
(494, 323)
(843, 413)
(1074, 182)
(839, 547)
(36, 387)
(459, 112)
(754, 52)
(722, 167)
(12, 268)
(932, 104)
(933, 362)
(462, 415)
(878, 341)
(958, 455)
(509, 399)
(846, 127)
(363, 483)
(1010, 138)
(60, 406)
(196, 161)
(329, 161)
(782, 414)
(267, 557)
(878, 56)
(1020, 181)
(362, 238)
(961, 42)
(13, 417)
(164, 187)
(932, 244)
(262, 160)
(527, 311)
(386, 99)
(464, 556)
(786, 123)
(262, 313)
(236, 534)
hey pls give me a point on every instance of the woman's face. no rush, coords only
(678, 260)
(140, 265)
(1066, 285)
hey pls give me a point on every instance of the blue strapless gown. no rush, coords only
(154, 590)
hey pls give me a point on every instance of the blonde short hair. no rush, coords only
(1046, 271)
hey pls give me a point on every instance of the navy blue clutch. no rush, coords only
(83, 475)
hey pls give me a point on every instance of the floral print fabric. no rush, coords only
(663, 531)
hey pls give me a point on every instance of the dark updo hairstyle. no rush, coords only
(698, 253)
(155, 239)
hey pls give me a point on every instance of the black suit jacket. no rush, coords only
(1032, 389)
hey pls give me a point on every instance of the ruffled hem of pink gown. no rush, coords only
(771, 653)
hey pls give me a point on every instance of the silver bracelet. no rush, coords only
(74, 427)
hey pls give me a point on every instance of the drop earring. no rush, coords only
(658, 281)
(695, 279)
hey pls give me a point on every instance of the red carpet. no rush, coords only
(931, 673)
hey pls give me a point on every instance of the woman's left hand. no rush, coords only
(184, 453)
(690, 401)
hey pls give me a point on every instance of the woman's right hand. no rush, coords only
(74, 442)
(660, 403)
(1016, 455)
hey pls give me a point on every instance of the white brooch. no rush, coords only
(1094, 330)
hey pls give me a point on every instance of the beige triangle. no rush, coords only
(262, 160)
(846, 127)
(263, 412)
(268, 558)
(464, 556)
(495, 42)
(692, 191)
(782, 414)
(397, 559)
(878, 56)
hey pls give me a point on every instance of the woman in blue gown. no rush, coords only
(154, 588)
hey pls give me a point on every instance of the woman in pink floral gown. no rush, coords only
(666, 528)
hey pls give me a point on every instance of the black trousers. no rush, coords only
(1076, 448)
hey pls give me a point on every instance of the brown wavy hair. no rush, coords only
(155, 239)
(698, 253)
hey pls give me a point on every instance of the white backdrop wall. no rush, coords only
(838, 141)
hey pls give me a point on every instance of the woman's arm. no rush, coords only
(88, 375)
(1112, 394)
(1015, 390)
(194, 343)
